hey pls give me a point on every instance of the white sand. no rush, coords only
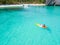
(36, 4)
(10, 6)
(20, 5)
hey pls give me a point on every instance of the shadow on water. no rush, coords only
(48, 29)
(50, 10)
(13, 9)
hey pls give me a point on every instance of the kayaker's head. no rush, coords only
(44, 25)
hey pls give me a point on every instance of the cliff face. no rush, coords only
(57, 2)
(52, 2)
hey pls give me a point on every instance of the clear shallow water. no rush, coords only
(18, 27)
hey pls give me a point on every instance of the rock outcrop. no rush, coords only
(52, 2)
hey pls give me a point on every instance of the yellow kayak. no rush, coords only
(40, 25)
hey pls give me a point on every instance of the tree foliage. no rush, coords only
(20, 1)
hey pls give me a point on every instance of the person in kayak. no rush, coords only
(43, 25)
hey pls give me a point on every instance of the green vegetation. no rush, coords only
(21, 1)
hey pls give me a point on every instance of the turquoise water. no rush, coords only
(18, 27)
